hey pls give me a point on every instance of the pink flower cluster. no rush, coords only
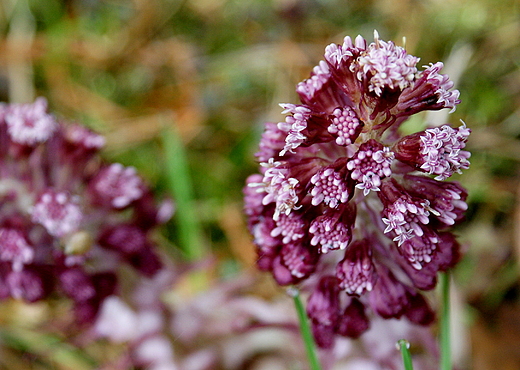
(68, 220)
(166, 325)
(344, 197)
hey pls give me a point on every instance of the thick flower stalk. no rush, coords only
(343, 196)
(68, 220)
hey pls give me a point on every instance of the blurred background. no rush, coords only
(150, 74)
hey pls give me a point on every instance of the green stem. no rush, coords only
(305, 329)
(404, 346)
(445, 345)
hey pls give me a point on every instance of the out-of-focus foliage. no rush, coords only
(216, 70)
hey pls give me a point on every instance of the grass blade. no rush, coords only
(179, 182)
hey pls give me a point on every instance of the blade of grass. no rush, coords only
(305, 329)
(48, 347)
(180, 185)
(404, 346)
(444, 337)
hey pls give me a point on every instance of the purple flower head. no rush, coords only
(353, 322)
(356, 271)
(117, 186)
(58, 212)
(323, 304)
(81, 138)
(77, 284)
(436, 151)
(80, 143)
(30, 284)
(330, 188)
(14, 248)
(345, 126)
(386, 66)
(389, 298)
(337, 177)
(323, 310)
(419, 311)
(29, 124)
(126, 238)
(369, 165)
(68, 219)
(332, 230)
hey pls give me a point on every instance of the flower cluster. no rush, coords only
(343, 196)
(68, 219)
(167, 323)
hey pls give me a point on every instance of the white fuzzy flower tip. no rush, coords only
(30, 124)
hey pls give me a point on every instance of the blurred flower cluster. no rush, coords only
(229, 327)
(345, 198)
(68, 220)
